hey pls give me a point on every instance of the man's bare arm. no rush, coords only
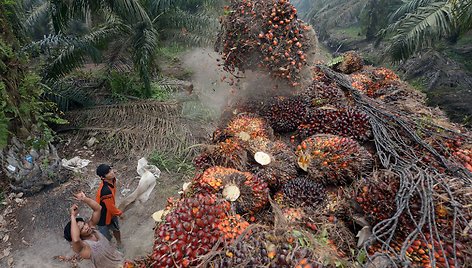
(93, 205)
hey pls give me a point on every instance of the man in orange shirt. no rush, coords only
(106, 198)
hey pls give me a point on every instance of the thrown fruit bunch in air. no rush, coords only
(264, 34)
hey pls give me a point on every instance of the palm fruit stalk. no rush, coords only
(232, 227)
(248, 192)
(247, 126)
(374, 81)
(332, 159)
(424, 253)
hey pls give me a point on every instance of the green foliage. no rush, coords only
(374, 16)
(418, 24)
(171, 51)
(4, 121)
(362, 256)
(335, 61)
(160, 92)
(124, 85)
(172, 163)
(418, 84)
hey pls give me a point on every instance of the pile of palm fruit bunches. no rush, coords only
(294, 180)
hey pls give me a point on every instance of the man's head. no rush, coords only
(105, 171)
(84, 229)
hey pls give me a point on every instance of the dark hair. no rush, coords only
(67, 233)
(102, 170)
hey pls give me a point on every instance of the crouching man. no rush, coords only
(86, 241)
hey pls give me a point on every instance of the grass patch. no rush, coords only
(159, 92)
(195, 110)
(171, 51)
(353, 33)
(172, 163)
(418, 84)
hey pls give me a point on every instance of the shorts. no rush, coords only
(113, 226)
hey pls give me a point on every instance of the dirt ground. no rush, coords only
(36, 222)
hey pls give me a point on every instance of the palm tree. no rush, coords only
(417, 24)
(123, 26)
(123, 22)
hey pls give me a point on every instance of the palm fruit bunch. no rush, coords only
(321, 94)
(464, 156)
(266, 248)
(376, 196)
(248, 126)
(248, 192)
(189, 231)
(232, 227)
(228, 153)
(338, 237)
(332, 159)
(285, 113)
(421, 252)
(293, 214)
(445, 219)
(264, 34)
(282, 167)
(348, 63)
(346, 122)
(303, 192)
(373, 81)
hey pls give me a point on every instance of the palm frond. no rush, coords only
(116, 57)
(334, 13)
(129, 10)
(38, 13)
(144, 43)
(419, 30)
(191, 29)
(67, 93)
(463, 13)
(78, 49)
(410, 6)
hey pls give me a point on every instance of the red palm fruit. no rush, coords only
(332, 159)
